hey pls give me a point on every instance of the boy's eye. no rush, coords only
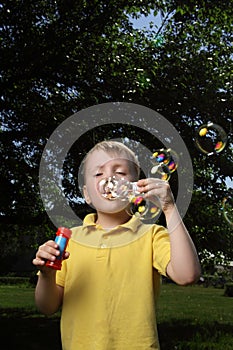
(98, 174)
(120, 172)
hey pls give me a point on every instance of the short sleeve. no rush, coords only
(161, 249)
(61, 275)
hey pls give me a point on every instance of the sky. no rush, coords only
(144, 21)
(229, 182)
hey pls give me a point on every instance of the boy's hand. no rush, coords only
(47, 251)
(152, 187)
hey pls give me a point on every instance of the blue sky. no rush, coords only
(229, 182)
(144, 21)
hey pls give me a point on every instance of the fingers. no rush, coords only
(154, 189)
(146, 185)
(66, 255)
(47, 251)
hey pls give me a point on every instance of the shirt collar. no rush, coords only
(132, 225)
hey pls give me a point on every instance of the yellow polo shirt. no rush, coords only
(111, 284)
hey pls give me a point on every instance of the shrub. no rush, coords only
(228, 292)
(13, 280)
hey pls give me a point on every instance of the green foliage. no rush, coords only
(7, 280)
(60, 57)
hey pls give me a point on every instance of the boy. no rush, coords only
(110, 278)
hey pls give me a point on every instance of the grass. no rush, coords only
(189, 318)
(194, 318)
(22, 326)
(13, 296)
(202, 304)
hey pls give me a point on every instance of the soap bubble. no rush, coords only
(160, 156)
(108, 188)
(227, 207)
(161, 171)
(113, 188)
(173, 160)
(166, 157)
(143, 208)
(211, 138)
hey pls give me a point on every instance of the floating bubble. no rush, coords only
(227, 206)
(160, 156)
(167, 157)
(211, 138)
(161, 171)
(173, 161)
(143, 208)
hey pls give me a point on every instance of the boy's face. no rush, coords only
(101, 165)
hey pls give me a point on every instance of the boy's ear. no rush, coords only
(86, 195)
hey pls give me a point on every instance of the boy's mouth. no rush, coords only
(107, 188)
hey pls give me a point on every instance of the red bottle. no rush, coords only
(62, 238)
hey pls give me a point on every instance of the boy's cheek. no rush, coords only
(93, 197)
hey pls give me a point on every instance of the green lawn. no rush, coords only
(199, 303)
(195, 317)
(13, 296)
(191, 317)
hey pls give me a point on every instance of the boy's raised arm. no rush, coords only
(184, 267)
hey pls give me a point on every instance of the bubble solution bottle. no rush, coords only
(62, 238)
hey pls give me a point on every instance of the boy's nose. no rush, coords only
(109, 173)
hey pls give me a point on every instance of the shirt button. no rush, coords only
(103, 245)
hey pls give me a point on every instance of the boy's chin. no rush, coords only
(112, 209)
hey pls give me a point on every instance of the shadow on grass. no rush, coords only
(22, 330)
(185, 335)
(31, 331)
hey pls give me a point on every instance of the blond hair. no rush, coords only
(115, 148)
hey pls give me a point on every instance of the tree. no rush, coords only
(60, 57)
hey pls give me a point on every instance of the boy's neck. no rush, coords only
(107, 220)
